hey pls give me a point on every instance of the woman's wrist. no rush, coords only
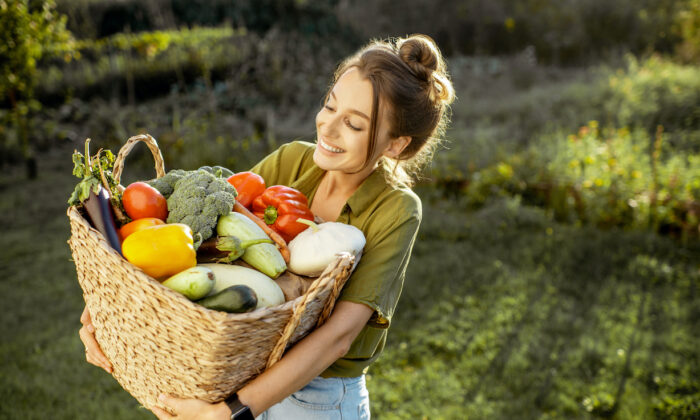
(221, 411)
(243, 397)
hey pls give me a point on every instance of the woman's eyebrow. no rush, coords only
(353, 111)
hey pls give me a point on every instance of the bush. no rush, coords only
(145, 65)
(653, 92)
(607, 177)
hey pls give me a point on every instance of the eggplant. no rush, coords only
(101, 214)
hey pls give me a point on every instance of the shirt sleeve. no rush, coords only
(378, 278)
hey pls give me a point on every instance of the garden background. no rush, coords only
(557, 268)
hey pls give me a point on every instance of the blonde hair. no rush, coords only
(409, 75)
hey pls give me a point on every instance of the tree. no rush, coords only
(28, 32)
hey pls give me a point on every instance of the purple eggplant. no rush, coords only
(93, 196)
(99, 209)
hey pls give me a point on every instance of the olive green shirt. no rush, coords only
(388, 216)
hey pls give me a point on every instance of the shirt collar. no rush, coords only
(368, 191)
(360, 200)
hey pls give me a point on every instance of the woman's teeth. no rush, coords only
(330, 148)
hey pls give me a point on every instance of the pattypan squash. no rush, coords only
(316, 247)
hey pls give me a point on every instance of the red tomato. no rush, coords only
(141, 200)
(248, 185)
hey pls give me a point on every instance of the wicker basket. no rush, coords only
(160, 342)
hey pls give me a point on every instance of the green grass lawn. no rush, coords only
(505, 314)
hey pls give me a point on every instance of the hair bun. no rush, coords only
(423, 57)
(420, 53)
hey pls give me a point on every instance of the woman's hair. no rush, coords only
(409, 76)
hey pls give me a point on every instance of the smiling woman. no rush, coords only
(380, 121)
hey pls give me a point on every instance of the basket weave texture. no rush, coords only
(160, 342)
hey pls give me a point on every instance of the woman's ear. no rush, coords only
(396, 146)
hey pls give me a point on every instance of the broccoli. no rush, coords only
(218, 171)
(196, 198)
(166, 183)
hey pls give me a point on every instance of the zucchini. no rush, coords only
(234, 299)
(267, 290)
(194, 283)
(264, 257)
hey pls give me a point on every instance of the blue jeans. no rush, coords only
(324, 399)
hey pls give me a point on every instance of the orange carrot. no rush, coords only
(281, 244)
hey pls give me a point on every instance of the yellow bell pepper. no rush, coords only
(161, 250)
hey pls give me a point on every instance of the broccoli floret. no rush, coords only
(197, 200)
(218, 171)
(166, 183)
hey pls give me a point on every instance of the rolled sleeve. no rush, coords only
(378, 279)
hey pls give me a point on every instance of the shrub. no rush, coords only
(607, 177)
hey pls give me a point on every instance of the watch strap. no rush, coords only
(238, 410)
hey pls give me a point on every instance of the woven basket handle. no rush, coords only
(151, 143)
(338, 276)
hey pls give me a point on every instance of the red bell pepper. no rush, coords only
(280, 207)
(248, 185)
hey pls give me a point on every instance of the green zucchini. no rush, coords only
(234, 299)
(264, 257)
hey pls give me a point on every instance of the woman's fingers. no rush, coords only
(93, 352)
(87, 321)
(161, 414)
(85, 317)
(172, 403)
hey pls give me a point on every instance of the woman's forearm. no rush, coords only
(307, 359)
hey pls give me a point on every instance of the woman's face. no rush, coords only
(343, 125)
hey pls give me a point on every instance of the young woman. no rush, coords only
(380, 122)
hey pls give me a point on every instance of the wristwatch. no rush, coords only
(238, 410)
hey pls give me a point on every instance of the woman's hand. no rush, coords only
(93, 352)
(191, 409)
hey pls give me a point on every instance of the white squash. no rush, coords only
(312, 250)
(226, 275)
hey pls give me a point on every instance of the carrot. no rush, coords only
(281, 244)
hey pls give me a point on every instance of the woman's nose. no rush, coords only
(329, 126)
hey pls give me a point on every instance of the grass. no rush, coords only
(527, 318)
(505, 314)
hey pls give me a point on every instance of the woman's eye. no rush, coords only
(349, 124)
(328, 107)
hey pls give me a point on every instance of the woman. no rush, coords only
(380, 123)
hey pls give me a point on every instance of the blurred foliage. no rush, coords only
(619, 171)
(97, 18)
(144, 65)
(27, 33)
(653, 92)
(559, 32)
(687, 26)
(611, 178)
(571, 32)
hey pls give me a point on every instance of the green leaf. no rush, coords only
(78, 164)
(82, 190)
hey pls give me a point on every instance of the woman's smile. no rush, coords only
(328, 147)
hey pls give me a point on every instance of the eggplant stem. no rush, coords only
(87, 159)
